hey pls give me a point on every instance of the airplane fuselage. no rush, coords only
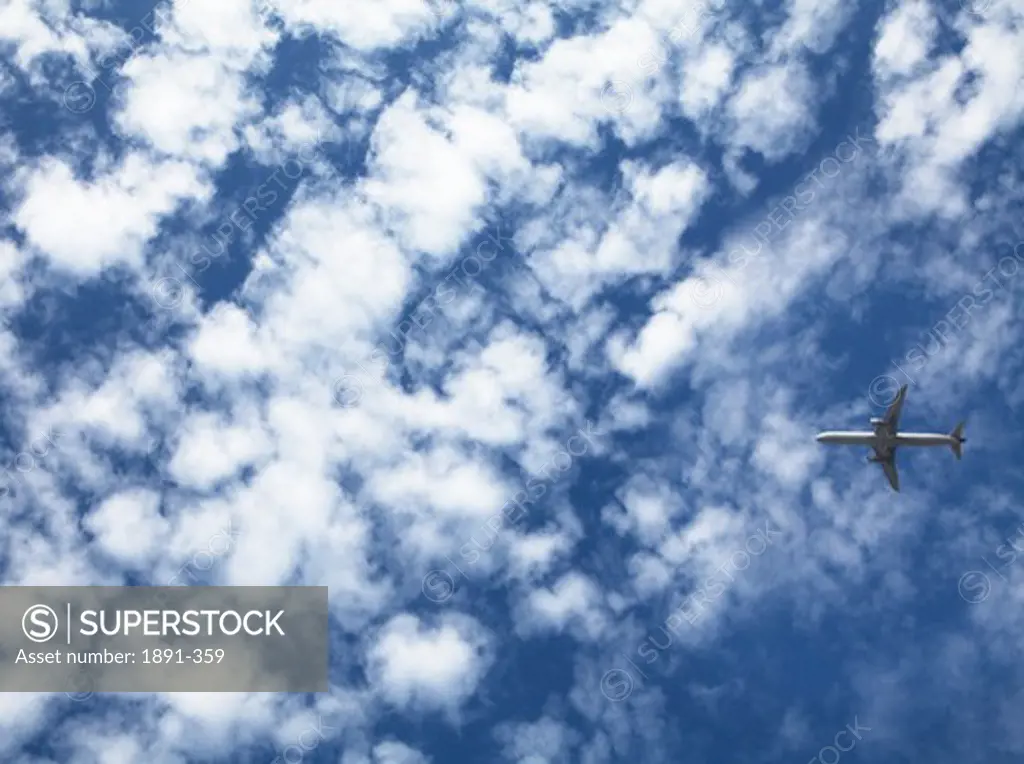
(884, 441)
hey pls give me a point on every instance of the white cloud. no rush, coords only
(85, 227)
(545, 740)
(212, 449)
(185, 105)
(388, 24)
(905, 39)
(573, 601)
(128, 526)
(648, 509)
(773, 112)
(392, 752)
(706, 79)
(436, 667)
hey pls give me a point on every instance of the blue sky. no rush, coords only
(512, 322)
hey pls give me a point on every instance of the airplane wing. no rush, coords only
(892, 415)
(889, 468)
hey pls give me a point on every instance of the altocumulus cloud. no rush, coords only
(510, 324)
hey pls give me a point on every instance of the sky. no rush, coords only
(512, 322)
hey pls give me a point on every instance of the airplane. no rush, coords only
(886, 439)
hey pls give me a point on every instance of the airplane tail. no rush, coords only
(958, 439)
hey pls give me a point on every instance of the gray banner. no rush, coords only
(86, 639)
